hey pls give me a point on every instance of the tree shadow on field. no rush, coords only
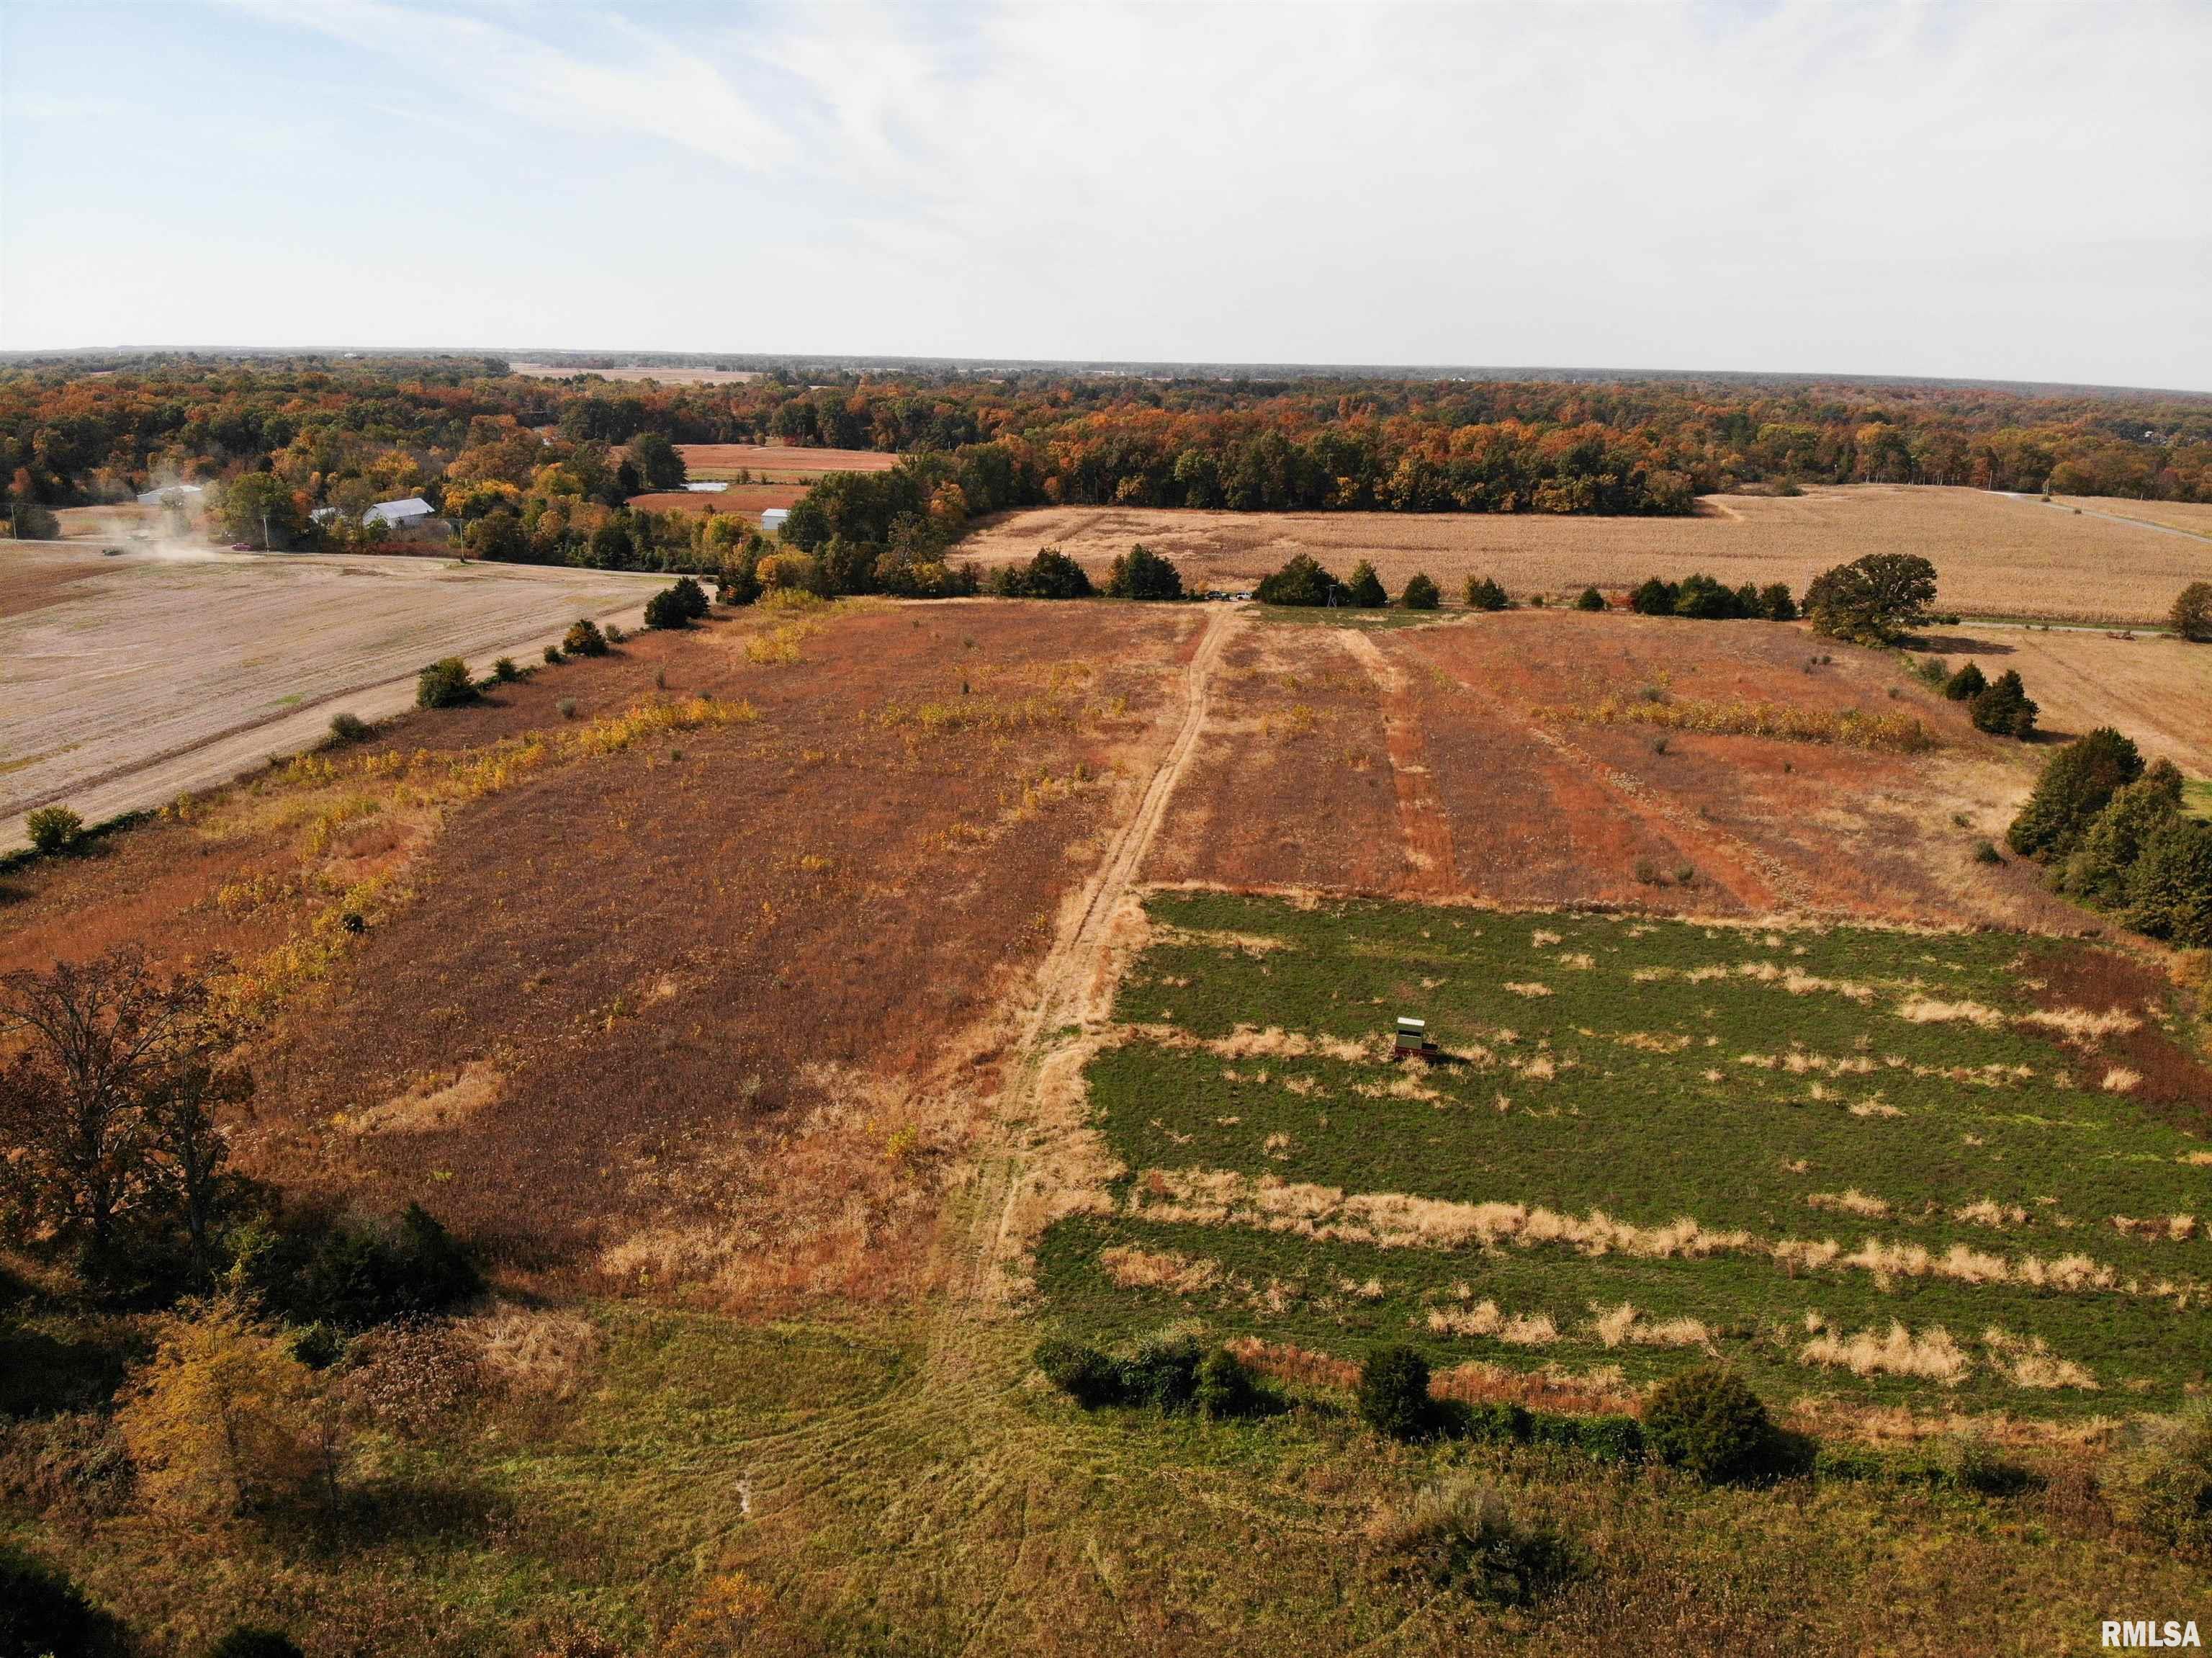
(1959, 644)
(419, 1508)
(41, 1374)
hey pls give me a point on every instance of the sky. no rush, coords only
(2008, 192)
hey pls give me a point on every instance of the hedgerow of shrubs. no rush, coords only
(2116, 837)
(1704, 599)
(1173, 1371)
(351, 1276)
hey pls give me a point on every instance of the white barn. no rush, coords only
(180, 494)
(398, 514)
(773, 521)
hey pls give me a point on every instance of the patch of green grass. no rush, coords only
(1347, 616)
(1749, 1080)
(2197, 797)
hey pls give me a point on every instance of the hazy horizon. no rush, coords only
(1947, 192)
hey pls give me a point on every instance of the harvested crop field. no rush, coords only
(750, 499)
(1549, 757)
(2157, 690)
(698, 987)
(1998, 555)
(1871, 1166)
(2194, 517)
(635, 373)
(132, 680)
(708, 461)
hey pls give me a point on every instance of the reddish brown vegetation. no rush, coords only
(708, 989)
(2176, 1086)
(1486, 800)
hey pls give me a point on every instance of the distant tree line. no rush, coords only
(69, 435)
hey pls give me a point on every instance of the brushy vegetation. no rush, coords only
(1703, 598)
(1141, 573)
(2120, 837)
(53, 829)
(1845, 1162)
(1850, 727)
(1463, 1534)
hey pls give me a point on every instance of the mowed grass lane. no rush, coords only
(1868, 1128)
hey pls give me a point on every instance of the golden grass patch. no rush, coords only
(1850, 727)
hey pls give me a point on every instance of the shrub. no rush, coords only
(1301, 581)
(43, 1613)
(1708, 1424)
(2169, 890)
(1483, 593)
(567, 708)
(1420, 592)
(444, 684)
(353, 1277)
(677, 607)
(251, 1641)
(584, 639)
(1776, 604)
(348, 728)
(1966, 685)
(553, 657)
(1873, 601)
(1051, 573)
(1463, 1536)
(1365, 588)
(1394, 1393)
(1590, 599)
(2191, 616)
(1654, 597)
(1609, 1438)
(54, 828)
(1985, 853)
(1969, 1462)
(505, 671)
(224, 1418)
(2097, 869)
(2077, 783)
(1702, 599)
(1225, 1387)
(2004, 709)
(2161, 1482)
(616, 633)
(1500, 1421)
(32, 521)
(1163, 1372)
(1141, 573)
(1083, 1373)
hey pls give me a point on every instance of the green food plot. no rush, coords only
(1852, 1093)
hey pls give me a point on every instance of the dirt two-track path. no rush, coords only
(979, 1480)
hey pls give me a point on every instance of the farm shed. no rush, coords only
(180, 494)
(773, 520)
(399, 513)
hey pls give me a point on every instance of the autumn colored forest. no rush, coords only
(88, 430)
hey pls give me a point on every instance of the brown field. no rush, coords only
(2194, 517)
(1998, 555)
(2157, 690)
(750, 499)
(717, 1006)
(665, 376)
(133, 679)
(1419, 762)
(706, 461)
